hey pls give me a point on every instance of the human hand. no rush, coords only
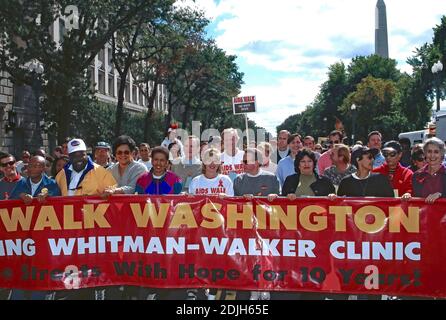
(272, 197)
(291, 196)
(432, 197)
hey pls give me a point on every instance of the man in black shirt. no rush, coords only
(364, 183)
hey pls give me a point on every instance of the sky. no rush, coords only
(284, 47)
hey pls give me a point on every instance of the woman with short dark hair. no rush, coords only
(126, 171)
(306, 182)
(159, 180)
(417, 158)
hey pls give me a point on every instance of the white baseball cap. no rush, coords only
(76, 145)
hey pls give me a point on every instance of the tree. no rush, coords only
(170, 40)
(26, 34)
(373, 98)
(136, 43)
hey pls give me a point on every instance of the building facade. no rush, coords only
(20, 120)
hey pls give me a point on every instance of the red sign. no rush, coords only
(368, 246)
(244, 104)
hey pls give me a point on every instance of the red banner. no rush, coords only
(369, 246)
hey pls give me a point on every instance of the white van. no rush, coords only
(415, 136)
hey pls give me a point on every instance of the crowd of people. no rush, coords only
(291, 166)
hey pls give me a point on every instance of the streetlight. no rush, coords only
(36, 68)
(436, 69)
(353, 109)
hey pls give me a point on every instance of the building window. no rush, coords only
(101, 57)
(127, 92)
(111, 85)
(101, 80)
(92, 82)
(140, 97)
(134, 89)
(118, 82)
(62, 30)
(110, 63)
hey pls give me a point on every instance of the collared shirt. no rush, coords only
(431, 183)
(127, 181)
(34, 186)
(283, 154)
(14, 179)
(285, 168)
(401, 178)
(148, 164)
(75, 177)
(379, 160)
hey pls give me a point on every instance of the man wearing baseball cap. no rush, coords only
(81, 176)
(399, 177)
(102, 154)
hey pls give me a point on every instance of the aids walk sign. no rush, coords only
(244, 104)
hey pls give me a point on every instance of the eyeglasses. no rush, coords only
(32, 166)
(391, 154)
(126, 152)
(420, 159)
(10, 163)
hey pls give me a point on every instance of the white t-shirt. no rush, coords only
(148, 164)
(220, 184)
(272, 167)
(232, 166)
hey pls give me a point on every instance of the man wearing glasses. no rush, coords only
(399, 176)
(37, 185)
(324, 162)
(102, 154)
(10, 175)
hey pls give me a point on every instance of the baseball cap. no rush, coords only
(394, 145)
(102, 145)
(75, 145)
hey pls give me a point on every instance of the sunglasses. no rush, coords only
(126, 152)
(10, 163)
(389, 154)
(421, 159)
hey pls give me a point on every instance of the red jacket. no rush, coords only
(402, 178)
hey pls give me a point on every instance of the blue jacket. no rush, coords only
(24, 186)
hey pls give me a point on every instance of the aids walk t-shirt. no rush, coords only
(232, 166)
(220, 184)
